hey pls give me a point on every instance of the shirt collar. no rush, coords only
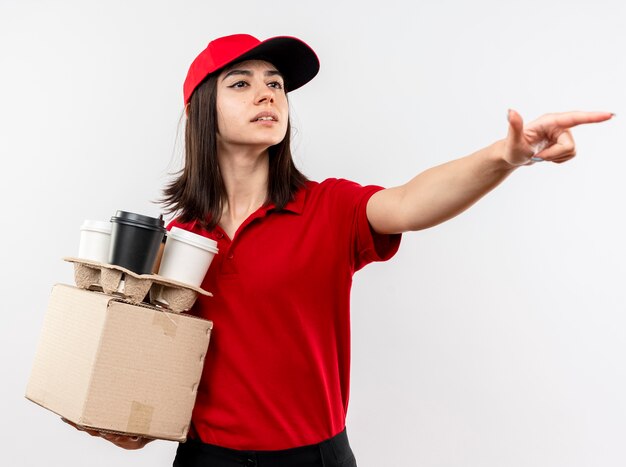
(296, 205)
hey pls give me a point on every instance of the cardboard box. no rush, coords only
(113, 366)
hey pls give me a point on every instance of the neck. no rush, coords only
(245, 172)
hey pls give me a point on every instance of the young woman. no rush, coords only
(275, 386)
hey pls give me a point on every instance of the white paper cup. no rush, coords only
(187, 256)
(95, 240)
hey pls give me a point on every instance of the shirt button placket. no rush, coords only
(228, 265)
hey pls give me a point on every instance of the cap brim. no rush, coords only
(295, 60)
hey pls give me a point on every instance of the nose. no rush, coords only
(264, 95)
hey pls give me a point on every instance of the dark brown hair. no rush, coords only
(198, 192)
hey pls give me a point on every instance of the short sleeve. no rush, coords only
(370, 245)
(367, 245)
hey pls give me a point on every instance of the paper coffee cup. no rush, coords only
(187, 256)
(135, 241)
(95, 241)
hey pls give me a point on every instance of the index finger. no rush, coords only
(572, 119)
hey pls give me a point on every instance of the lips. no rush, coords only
(265, 117)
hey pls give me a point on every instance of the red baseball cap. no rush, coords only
(295, 60)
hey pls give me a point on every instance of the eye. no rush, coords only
(275, 85)
(238, 85)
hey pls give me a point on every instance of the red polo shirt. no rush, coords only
(277, 373)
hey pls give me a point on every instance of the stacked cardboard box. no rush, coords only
(114, 366)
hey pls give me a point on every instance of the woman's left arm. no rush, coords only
(442, 192)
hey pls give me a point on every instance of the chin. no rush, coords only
(270, 142)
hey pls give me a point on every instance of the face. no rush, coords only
(252, 107)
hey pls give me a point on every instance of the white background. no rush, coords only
(496, 339)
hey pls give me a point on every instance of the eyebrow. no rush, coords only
(249, 73)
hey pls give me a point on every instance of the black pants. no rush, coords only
(334, 452)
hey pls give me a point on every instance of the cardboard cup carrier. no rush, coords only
(135, 243)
